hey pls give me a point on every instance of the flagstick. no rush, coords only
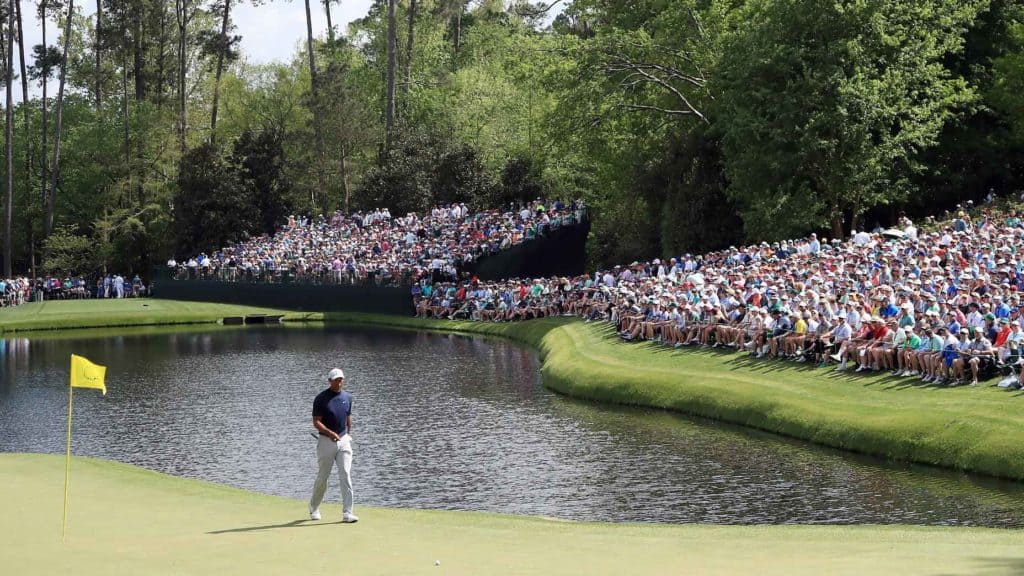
(67, 469)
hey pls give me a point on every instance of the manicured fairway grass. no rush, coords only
(126, 520)
(61, 314)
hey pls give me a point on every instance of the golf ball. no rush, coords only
(437, 562)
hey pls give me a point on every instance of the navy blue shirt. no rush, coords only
(333, 408)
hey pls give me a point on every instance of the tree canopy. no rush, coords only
(686, 125)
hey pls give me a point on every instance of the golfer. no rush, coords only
(332, 418)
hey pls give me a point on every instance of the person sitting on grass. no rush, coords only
(793, 342)
(1014, 345)
(816, 330)
(932, 358)
(981, 356)
(734, 333)
(698, 319)
(883, 356)
(914, 357)
(1002, 339)
(851, 347)
(960, 361)
(879, 336)
(902, 352)
(770, 319)
(782, 329)
(752, 325)
(632, 321)
(715, 317)
(950, 352)
(832, 340)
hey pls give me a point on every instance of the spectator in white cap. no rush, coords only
(332, 418)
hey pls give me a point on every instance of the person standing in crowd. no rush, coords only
(332, 418)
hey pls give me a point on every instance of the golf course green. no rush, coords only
(65, 314)
(975, 429)
(126, 520)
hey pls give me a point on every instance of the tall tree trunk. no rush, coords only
(96, 50)
(343, 169)
(24, 80)
(182, 9)
(161, 75)
(43, 172)
(314, 83)
(51, 206)
(409, 46)
(837, 226)
(9, 142)
(389, 108)
(330, 25)
(127, 129)
(24, 107)
(457, 36)
(137, 51)
(220, 70)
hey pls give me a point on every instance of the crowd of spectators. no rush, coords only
(17, 291)
(14, 291)
(943, 305)
(375, 247)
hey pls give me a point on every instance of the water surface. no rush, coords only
(449, 422)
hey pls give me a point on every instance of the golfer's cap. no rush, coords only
(334, 374)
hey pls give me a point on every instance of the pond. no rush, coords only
(448, 422)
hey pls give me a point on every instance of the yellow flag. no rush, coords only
(85, 374)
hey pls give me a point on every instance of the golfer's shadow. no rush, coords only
(292, 524)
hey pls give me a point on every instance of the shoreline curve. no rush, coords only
(978, 430)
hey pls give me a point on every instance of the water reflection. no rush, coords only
(451, 422)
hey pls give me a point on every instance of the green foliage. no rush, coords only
(684, 125)
(520, 181)
(211, 208)
(459, 176)
(259, 160)
(421, 172)
(686, 194)
(1007, 93)
(67, 253)
(824, 107)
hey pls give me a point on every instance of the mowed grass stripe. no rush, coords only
(125, 520)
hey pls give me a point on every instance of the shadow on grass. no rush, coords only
(292, 524)
(1000, 565)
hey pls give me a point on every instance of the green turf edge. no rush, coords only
(37, 317)
(570, 367)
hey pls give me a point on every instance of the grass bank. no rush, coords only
(976, 429)
(126, 520)
(67, 314)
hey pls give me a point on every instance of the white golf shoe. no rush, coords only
(350, 518)
(314, 514)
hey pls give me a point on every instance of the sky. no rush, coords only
(271, 32)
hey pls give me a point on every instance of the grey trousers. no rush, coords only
(329, 453)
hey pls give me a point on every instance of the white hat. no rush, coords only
(334, 374)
